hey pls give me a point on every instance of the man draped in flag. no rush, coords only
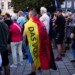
(38, 41)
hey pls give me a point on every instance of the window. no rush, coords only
(2, 5)
(69, 4)
(63, 5)
(9, 5)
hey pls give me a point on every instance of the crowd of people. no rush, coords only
(36, 35)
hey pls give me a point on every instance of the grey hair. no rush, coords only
(43, 9)
(34, 12)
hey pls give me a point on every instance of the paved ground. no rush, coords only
(65, 67)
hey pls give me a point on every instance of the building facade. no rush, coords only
(5, 6)
(68, 5)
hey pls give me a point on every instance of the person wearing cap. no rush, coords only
(45, 18)
(16, 41)
(60, 33)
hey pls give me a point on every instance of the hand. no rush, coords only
(72, 35)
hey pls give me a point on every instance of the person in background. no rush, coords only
(16, 42)
(51, 27)
(73, 45)
(60, 34)
(4, 31)
(68, 32)
(53, 65)
(45, 18)
(8, 21)
(73, 19)
(21, 19)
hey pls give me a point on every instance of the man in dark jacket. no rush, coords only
(60, 33)
(3, 46)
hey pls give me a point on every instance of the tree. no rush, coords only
(25, 5)
(18, 5)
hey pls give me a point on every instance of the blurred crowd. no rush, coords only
(60, 27)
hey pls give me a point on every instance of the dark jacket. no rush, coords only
(60, 22)
(3, 36)
(51, 29)
(73, 40)
(8, 22)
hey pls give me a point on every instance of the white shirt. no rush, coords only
(46, 20)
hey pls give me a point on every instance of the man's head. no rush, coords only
(32, 13)
(7, 15)
(20, 13)
(14, 17)
(59, 12)
(43, 10)
(0, 11)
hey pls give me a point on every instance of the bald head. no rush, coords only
(20, 13)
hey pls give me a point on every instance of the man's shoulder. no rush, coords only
(61, 16)
(22, 18)
(3, 25)
(45, 16)
(29, 22)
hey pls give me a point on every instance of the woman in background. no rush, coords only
(16, 42)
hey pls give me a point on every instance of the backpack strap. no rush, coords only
(18, 27)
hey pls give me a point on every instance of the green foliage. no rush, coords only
(25, 5)
(18, 5)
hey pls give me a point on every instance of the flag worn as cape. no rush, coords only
(31, 30)
(39, 43)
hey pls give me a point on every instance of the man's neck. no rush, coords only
(43, 14)
(20, 16)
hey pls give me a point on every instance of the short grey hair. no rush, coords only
(43, 9)
(14, 17)
(34, 12)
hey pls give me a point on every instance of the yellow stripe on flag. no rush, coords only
(33, 40)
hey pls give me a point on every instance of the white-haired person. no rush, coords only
(48, 24)
(16, 42)
(45, 18)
